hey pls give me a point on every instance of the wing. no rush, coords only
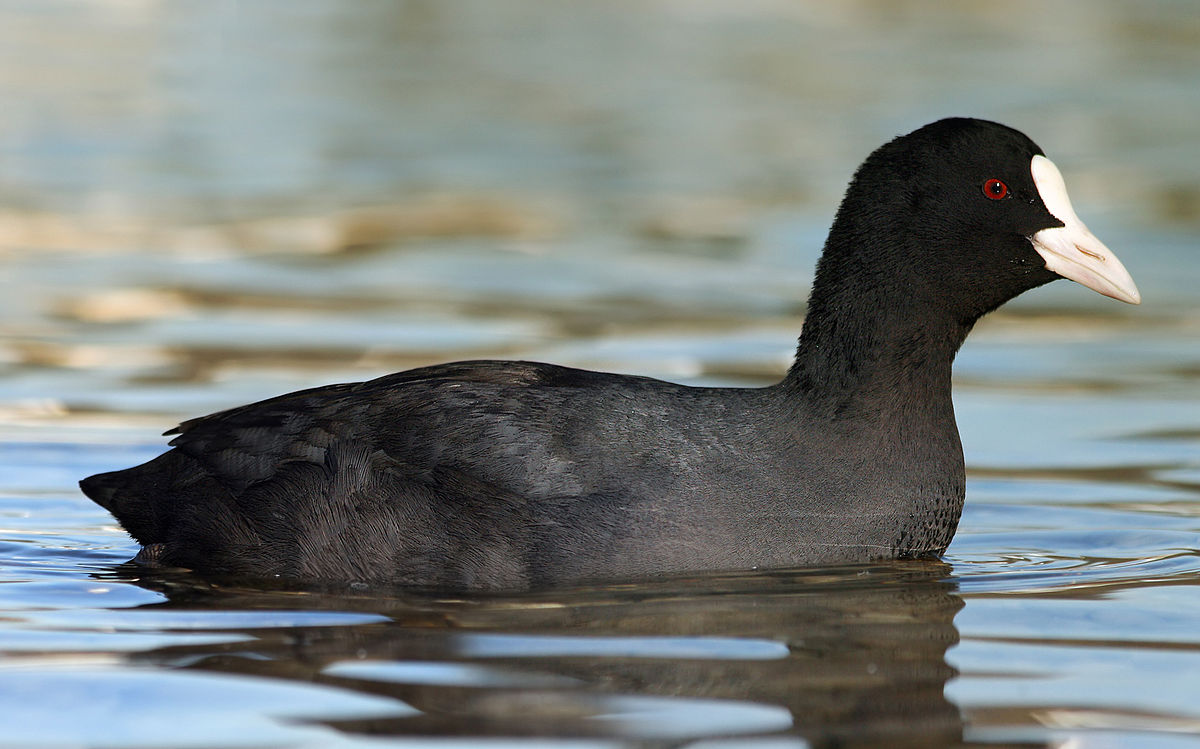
(249, 444)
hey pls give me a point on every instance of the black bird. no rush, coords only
(490, 474)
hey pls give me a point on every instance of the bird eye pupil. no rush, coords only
(995, 189)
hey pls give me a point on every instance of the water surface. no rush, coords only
(209, 203)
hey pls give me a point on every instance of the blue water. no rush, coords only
(204, 204)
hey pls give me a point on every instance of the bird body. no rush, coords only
(484, 474)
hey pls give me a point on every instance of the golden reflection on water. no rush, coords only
(425, 217)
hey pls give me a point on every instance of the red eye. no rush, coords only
(995, 189)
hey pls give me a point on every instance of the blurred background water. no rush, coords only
(203, 204)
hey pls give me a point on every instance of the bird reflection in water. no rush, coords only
(833, 656)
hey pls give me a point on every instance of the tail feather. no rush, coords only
(102, 488)
(125, 500)
(139, 498)
(182, 516)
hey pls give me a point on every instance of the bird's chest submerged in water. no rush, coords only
(898, 494)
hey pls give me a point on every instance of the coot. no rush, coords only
(490, 474)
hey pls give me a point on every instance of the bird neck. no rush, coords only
(879, 349)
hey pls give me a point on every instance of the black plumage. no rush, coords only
(515, 474)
